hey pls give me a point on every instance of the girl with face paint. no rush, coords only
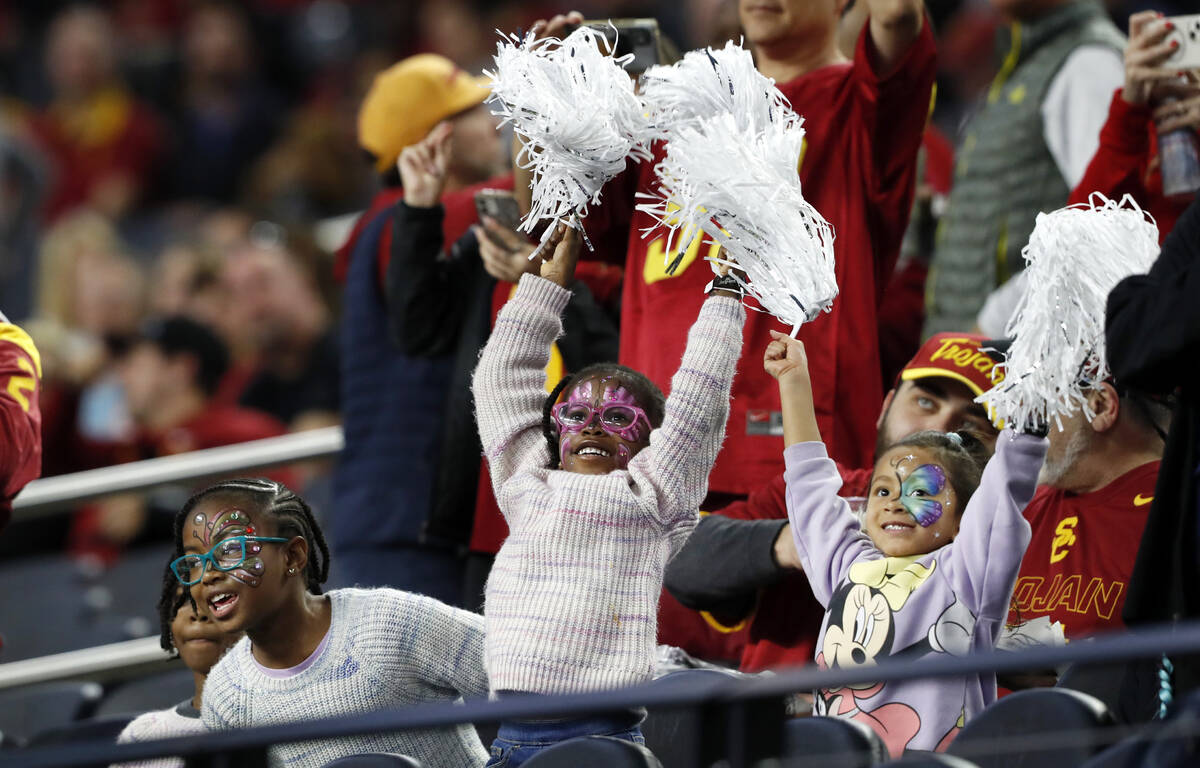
(934, 573)
(572, 599)
(252, 558)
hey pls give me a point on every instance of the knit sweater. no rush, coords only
(571, 602)
(385, 648)
(180, 720)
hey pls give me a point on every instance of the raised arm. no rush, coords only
(509, 383)
(894, 26)
(993, 534)
(681, 453)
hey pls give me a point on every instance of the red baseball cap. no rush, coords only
(958, 356)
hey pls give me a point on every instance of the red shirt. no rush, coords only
(1127, 163)
(858, 169)
(1077, 567)
(20, 416)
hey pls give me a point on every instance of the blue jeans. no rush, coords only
(519, 740)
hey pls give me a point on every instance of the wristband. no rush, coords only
(725, 283)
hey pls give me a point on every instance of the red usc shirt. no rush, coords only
(20, 416)
(858, 169)
(1077, 567)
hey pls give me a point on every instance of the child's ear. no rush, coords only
(297, 553)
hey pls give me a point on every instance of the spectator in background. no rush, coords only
(22, 187)
(397, 403)
(20, 416)
(169, 375)
(274, 299)
(225, 117)
(1025, 151)
(103, 143)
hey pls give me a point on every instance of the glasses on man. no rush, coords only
(621, 420)
(225, 556)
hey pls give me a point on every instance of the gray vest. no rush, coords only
(1005, 173)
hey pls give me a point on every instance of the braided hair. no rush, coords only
(293, 517)
(648, 396)
(172, 598)
(961, 453)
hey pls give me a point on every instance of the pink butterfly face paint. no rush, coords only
(607, 402)
(227, 523)
(916, 489)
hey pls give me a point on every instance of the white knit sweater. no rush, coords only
(162, 724)
(571, 603)
(386, 648)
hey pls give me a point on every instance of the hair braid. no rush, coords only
(170, 600)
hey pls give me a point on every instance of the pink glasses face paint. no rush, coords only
(619, 413)
(226, 524)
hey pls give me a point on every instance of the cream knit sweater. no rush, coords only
(572, 599)
(386, 648)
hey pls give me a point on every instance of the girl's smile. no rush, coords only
(601, 427)
(912, 508)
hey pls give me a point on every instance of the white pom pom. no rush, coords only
(711, 82)
(741, 187)
(1075, 256)
(575, 105)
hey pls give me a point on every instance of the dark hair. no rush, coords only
(292, 515)
(173, 596)
(961, 453)
(179, 335)
(648, 395)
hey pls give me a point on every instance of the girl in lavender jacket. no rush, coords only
(572, 599)
(931, 570)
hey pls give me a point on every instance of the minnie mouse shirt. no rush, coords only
(953, 600)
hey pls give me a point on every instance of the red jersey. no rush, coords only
(858, 169)
(1079, 560)
(1127, 163)
(20, 416)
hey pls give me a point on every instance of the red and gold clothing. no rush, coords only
(20, 416)
(858, 169)
(1079, 560)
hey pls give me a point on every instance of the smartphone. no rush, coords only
(500, 205)
(639, 37)
(1187, 34)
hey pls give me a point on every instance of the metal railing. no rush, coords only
(54, 494)
(747, 711)
(102, 663)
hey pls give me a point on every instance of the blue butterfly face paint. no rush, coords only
(915, 491)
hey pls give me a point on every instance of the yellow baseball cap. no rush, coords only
(408, 99)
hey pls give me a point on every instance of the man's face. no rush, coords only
(768, 22)
(1065, 449)
(476, 153)
(934, 402)
(265, 290)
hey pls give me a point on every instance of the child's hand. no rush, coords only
(423, 167)
(559, 255)
(785, 359)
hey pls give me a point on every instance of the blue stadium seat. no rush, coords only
(146, 694)
(595, 752)
(675, 735)
(92, 729)
(376, 760)
(1037, 728)
(823, 741)
(34, 708)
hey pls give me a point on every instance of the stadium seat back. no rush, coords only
(823, 741)
(376, 760)
(32, 709)
(146, 694)
(677, 736)
(595, 752)
(1043, 727)
(92, 729)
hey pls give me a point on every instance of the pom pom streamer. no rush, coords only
(573, 102)
(712, 82)
(739, 185)
(1075, 256)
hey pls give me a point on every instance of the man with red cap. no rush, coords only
(740, 565)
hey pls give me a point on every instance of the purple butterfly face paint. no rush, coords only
(616, 408)
(916, 489)
(225, 524)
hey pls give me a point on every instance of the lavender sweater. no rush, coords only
(952, 600)
(572, 599)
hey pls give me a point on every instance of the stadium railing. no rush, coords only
(743, 717)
